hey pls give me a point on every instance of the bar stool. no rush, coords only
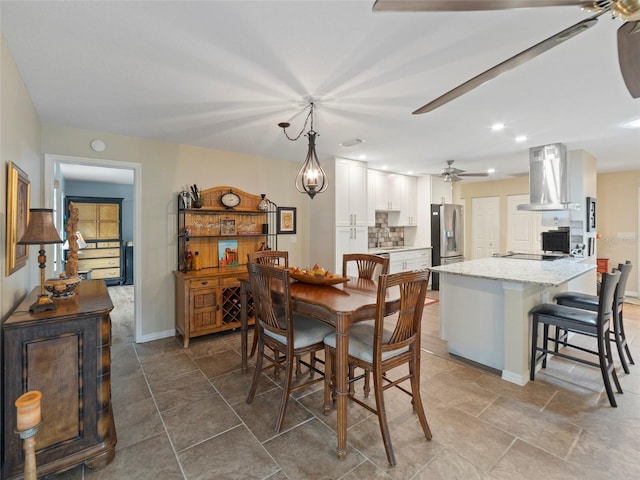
(590, 302)
(579, 321)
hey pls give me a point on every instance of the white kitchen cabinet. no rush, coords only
(407, 260)
(408, 200)
(350, 240)
(351, 193)
(394, 193)
(371, 198)
(395, 187)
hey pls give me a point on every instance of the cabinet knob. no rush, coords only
(204, 283)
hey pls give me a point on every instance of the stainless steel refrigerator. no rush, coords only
(447, 237)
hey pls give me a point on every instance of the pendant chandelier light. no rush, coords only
(311, 178)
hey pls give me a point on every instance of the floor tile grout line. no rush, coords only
(164, 425)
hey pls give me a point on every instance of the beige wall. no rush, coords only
(617, 215)
(20, 144)
(165, 170)
(465, 192)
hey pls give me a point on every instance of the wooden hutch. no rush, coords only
(208, 299)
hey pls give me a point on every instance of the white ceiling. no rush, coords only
(223, 74)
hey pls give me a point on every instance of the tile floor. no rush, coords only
(181, 414)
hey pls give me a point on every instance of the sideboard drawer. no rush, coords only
(105, 273)
(99, 252)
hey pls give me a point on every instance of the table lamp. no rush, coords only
(41, 231)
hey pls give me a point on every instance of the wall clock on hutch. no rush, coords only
(230, 199)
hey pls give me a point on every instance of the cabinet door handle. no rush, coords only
(355, 219)
(204, 282)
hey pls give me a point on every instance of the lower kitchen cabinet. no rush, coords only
(350, 240)
(65, 354)
(407, 260)
(208, 301)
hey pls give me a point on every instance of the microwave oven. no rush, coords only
(556, 241)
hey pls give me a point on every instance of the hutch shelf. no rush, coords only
(213, 243)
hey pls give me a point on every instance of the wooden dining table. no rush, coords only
(338, 305)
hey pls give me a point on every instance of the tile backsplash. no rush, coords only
(384, 236)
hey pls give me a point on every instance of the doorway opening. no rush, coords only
(59, 169)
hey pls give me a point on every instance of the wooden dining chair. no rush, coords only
(369, 267)
(590, 302)
(578, 321)
(267, 257)
(391, 341)
(287, 334)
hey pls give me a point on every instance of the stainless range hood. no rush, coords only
(549, 179)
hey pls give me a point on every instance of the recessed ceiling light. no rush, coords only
(521, 138)
(632, 123)
(352, 142)
(491, 170)
(496, 127)
(363, 156)
(410, 172)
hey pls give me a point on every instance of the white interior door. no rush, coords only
(485, 226)
(523, 227)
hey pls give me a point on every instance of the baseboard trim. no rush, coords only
(157, 336)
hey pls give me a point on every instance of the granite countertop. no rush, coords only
(377, 251)
(547, 273)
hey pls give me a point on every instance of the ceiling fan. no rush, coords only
(452, 174)
(628, 35)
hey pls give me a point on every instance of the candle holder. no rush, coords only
(28, 422)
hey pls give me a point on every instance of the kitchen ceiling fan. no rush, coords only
(628, 35)
(452, 174)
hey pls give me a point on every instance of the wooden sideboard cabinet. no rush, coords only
(65, 354)
(208, 302)
(208, 299)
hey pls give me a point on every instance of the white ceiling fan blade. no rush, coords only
(484, 174)
(466, 5)
(510, 63)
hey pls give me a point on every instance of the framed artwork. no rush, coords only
(286, 220)
(228, 253)
(591, 214)
(18, 195)
(227, 226)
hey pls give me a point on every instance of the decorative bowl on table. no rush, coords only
(62, 287)
(316, 276)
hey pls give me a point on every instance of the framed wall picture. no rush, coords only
(228, 253)
(591, 214)
(286, 220)
(227, 226)
(18, 195)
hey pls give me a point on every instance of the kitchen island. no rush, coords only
(485, 304)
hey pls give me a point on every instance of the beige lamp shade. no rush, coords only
(41, 229)
(80, 239)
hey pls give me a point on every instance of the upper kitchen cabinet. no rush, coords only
(393, 193)
(351, 193)
(386, 191)
(408, 201)
(441, 191)
(371, 198)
